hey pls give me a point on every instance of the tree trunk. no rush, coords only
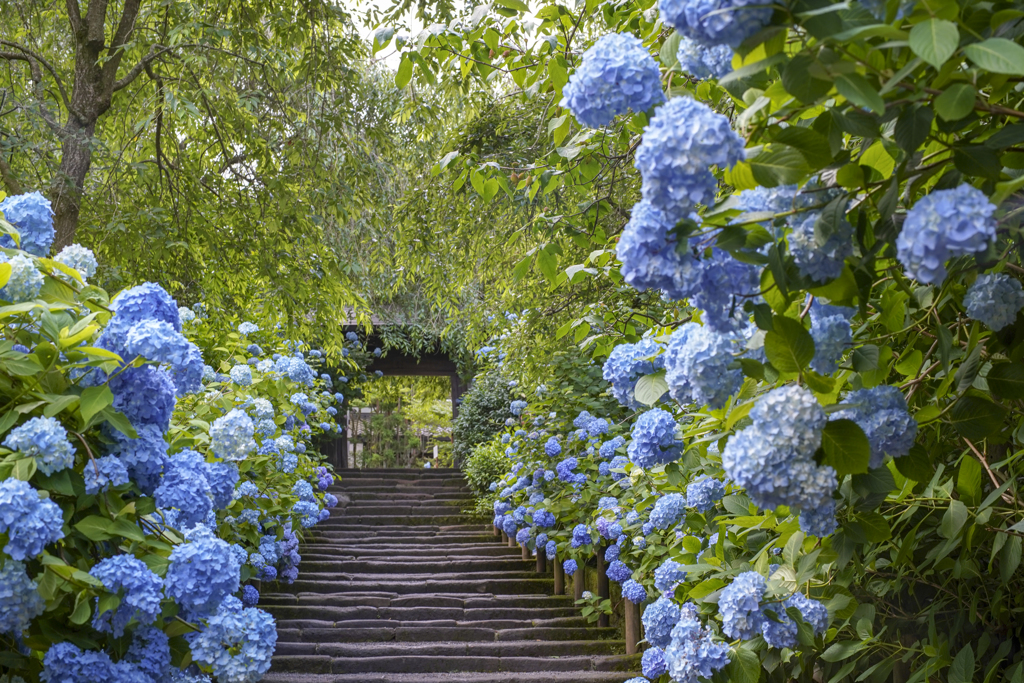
(66, 189)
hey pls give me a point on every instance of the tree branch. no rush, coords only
(143, 65)
(36, 74)
(74, 15)
(125, 27)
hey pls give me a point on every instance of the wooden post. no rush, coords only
(632, 619)
(504, 537)
(542, 565)
(559, 577)
(511, 541)
(602, 584)
(496, 530)
(578, 582)
(526, 553)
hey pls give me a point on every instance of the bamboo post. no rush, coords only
(559, 577)
(632, 619)
(602, 584)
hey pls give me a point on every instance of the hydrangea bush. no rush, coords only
(148, 487)
(817, 387)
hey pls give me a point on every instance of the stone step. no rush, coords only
(321, 664)
(407, 585)
(349, 520)
(424, 509)
(520, 648)
(401, 471)
(380, 634)
(456, 677)
(414, 565)
(401, 552)
(306, 619)
(460, 600)
(339, 615)
(443, 497)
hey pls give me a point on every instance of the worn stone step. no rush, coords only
(444, 664)
(379, 599)
(345, 634)
(424, 584)
(414, 565)
(445, 496)
(520, 648)
(399, 552)
(376, 520)
(338, 614)
(425, 509)
(305, 619)
(454, 677)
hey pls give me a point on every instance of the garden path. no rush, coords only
(403, 586)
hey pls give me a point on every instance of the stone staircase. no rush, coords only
(403, 586)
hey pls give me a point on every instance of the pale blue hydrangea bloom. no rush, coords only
(682, 141)
(627, 363)
(569, 567)
(725, 284)
(783, 633)
(740, 606)
(653, 663)
(658, 620)
(158, 341)
(241, 375)
(552, 448)
(201, 573)
(237, 642)
(143, 302)
(25, 280)
(517, 407)
(608, 448)
(692, 652)
(668, 510)
(185, 488)
(944, 225)
(186, 315)
(145, 456)
(716, 22)
(44, 439)
(617, 74)
(580, 536)
(703, 493)
(20, 602)
(66, 663)
(702, 61)
(633, 591)
(654, 439)
(248, 328)
(81, 259)
(231, 436)
(698, 366)
(819, 521)
(618, 571)
(669, 575)
(650, 256)
(138, 587)
(222, 477)
(994, 299)
(544, 518)
(30, 522)
(262, 409)
(883, 415)
(820, 262)
(102, 473)
(150, 652)
(832, 336)
(31, 214)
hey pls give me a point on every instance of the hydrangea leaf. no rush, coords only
(997, 55)
(1006, 380)
(650, 388)
(856, 89)
(846, 448)
(934, 41)
(956, 102)
(789, 346)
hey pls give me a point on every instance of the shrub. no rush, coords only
(483, 413)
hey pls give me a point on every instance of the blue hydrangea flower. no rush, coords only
(669, 575)
(820, 262)
(618, 571)
(617, 74)
(569, 567)
(30, 522)
(150, 653)
(649, 255)
(236, 643)
(138, 587)
(740, 606)
(994, 299)
(698, 366)
(944, 225)
(703, 493)
(725, 284)
(702, 61)
(608, 448)
(693, 652)
(580, 536)
(231, 436)
(78, 257)
(832, 335)
(819, 521)
(248, 328)
(716, 22)
(145, 395)
(654, 439)
(633, 591)
(668, 510)
(544, 518)
(552, 448)
(617, 463)
(626, 364)
(658, 620)
(883, 415)
(25, 280)
(143, 302)
(653, 663)
(550, 549)
(185, 488)
(241, 375)
(201, 573)
(44, 439)
(681, 142)
(222, 478)
(517, 407)
(31, 214)
(102, 473)
(145, 456)
(157, 340)
(20, 601)
(812, 612)
(186, 315)
(612, 553)
(783, 633)
(250, 596)
(66, 663)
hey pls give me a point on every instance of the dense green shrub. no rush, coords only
(486, 464)
(483, 412)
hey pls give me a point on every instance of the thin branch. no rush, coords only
(136, 70)
(49, 67)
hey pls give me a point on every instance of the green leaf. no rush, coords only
(977, 160)
(872, 526)
(997, 55)
(1006, 380)
(780, 166)
(517, 5)
(1009, 558)
(812, 145)
(976, 418)
(119, 422)
(122, 527)
(650, 388)
(789, 346)
(953, 519)
(846, 447)
(912, 127)
(968, 480)
(82, 609)
(856, 88)
(24, 468)
(865, 358)
(934, 41)
(916, 464)
(404, 74)
(547, 262)
(839, 651)
(798, 78)
(744, 666)
(95, 399)
(669, 49)
(95, 528)
(956, 102)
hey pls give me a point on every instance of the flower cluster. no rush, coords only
(702, 61)
(654, 439)
(994, 299)
(700, 366)
(627, 363)
(716, 22)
